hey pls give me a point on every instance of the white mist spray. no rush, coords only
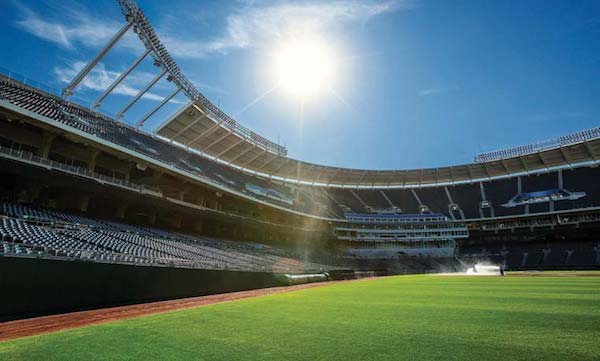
(483, 269)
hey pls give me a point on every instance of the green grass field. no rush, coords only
(393, 318)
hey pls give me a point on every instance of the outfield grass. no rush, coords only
(394, 318)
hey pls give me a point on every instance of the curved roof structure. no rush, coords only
(134, 15)
(203, 127)
(195, 129)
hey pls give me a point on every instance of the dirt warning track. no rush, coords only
(38, 325)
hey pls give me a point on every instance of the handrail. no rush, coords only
(30, 157)
(562, 141)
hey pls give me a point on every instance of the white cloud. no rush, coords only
(256, 26)
(99, 79)
(76, 27)
(250, 27)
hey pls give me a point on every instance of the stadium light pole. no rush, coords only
(118, 81)
(68, 90)
(140, 94)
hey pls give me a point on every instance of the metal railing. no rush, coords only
(565, 140)
(74, 170)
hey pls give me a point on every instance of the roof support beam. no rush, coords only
(294, 169)
(333, 199)
(333, 176)
(199, 118)
(487, 172)
(362, 177)
(241, 154)
(157, 107)
(68, 90)
(470, 172)
(279, 167)
(505, 167)
(118, 81)
(254, 158)
(205, 148)
(235, 144)
(562, 151)
(543, 161)
(206, 132)
(140, 94)
(388, 199)
(524, 165)
(307, 172)
(589, 150)
(268, 162)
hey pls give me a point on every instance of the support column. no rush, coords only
(93, 158)
(199, 226)
(177, 220)
(127, 172)
(560, 179)
(121, 211)
(84, 202)
(47, 139)
(152, 217)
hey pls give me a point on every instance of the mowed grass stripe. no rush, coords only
(393, 318)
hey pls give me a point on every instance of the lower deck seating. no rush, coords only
(30, 230)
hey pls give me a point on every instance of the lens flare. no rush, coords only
(304, 66)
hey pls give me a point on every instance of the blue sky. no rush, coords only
(419, 83)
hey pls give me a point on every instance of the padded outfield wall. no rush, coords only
(32, 286)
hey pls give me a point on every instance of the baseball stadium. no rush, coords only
(141, 219)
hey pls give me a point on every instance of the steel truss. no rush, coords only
(135, 18)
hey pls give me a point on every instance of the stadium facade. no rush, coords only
(205, 197)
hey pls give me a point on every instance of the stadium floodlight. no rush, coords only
(118, 81)
(68, 90)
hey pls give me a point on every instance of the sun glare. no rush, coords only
(304, 66)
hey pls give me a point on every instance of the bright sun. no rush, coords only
(304, 66)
